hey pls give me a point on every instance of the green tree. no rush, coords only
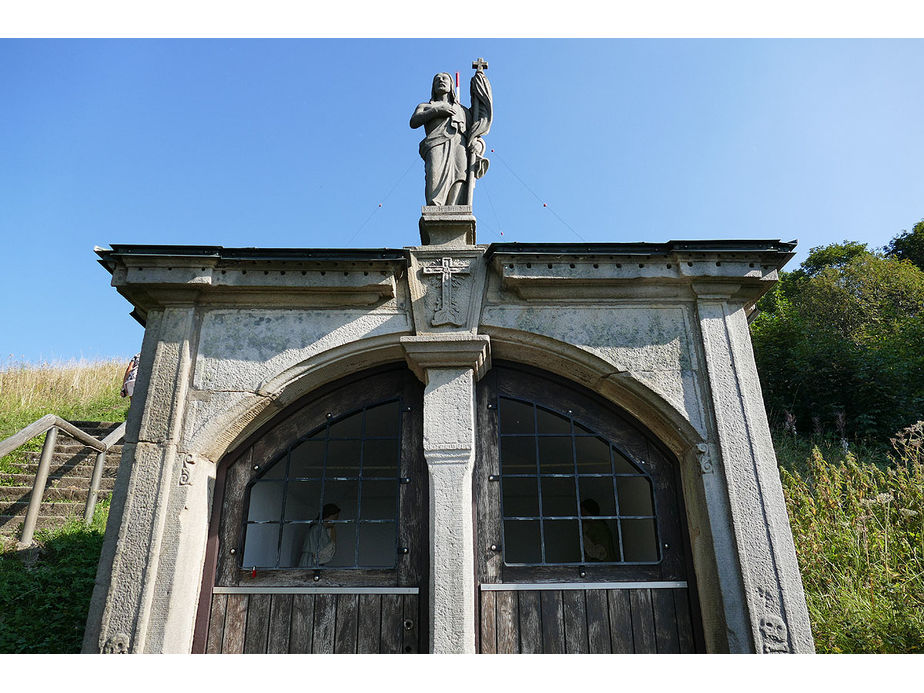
(834, 255)
(909, 245)
(840, 342)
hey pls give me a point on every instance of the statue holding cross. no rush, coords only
(453, 148)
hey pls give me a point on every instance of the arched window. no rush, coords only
(569, 487)
(331, 499)
(568, 495)
(581, 544)
(320, 518)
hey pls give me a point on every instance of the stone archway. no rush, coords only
(353, 446)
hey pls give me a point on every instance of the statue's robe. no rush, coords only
(445, 159)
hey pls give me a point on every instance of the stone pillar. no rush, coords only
(449, 365)
(147, 565)
(776, 614)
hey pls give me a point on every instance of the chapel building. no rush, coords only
(449, 447)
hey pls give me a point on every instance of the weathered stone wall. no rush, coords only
(652, 344)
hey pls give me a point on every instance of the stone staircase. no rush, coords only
(68, 481)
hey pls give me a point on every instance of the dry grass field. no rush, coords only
(74, 390)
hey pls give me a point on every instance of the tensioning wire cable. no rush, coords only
(384, 199)
(487, 192)
(532, 192)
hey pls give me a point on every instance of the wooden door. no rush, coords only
(580, 525)
(318, 537)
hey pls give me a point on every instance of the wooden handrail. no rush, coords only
(115, 436)
(50, 424)
(40, 426)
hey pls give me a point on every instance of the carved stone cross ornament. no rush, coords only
(447, 313)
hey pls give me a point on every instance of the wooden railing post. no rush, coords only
(38, 487)
(93, 493)
(52, 423)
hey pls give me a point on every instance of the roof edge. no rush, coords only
(696, 246)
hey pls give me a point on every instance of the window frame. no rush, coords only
(576, 476)
(623, 432)
(284, 458)
(310, 413)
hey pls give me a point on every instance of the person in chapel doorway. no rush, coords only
(321, 540)
(598, 540)
(131, 373)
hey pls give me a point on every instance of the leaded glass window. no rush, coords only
(568, 495)
(331, 499)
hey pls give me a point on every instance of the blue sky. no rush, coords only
(296, 143)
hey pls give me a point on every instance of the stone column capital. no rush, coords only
(714, 291)
(447, 350)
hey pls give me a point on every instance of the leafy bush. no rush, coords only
(45, 591)
(859, 535)
(839, 344)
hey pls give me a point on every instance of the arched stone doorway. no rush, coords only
(581, 534)
(317, 541)
(580, 531)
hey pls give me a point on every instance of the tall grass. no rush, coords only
(75, 390)
(859, 535)
(795, 452)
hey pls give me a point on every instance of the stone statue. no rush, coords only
(452, 150)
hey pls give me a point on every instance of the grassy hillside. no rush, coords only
(45, 593)
(858, 526)
(75, 391)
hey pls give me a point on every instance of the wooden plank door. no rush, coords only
(580, 619)
(314, 621)
(581, 546)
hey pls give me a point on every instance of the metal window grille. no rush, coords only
(352, 461)
(568, 495)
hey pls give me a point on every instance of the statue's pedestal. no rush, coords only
(449, 225)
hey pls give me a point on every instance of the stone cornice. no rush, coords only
(154, 276)
(447, 350)
(768, 248)
(554, 272)
(716, 291)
